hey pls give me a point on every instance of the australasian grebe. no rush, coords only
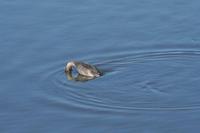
(83, 69)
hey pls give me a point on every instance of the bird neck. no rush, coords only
(70, 65)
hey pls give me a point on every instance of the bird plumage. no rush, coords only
(83, 69)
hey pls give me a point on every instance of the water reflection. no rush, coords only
(78, 77)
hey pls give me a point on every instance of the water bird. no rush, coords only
(83, 69)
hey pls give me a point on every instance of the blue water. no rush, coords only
(148, 50)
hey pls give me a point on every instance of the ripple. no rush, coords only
(149, 80)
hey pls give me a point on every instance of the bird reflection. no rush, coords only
(78, 77)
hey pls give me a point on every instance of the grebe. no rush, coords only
(83, 69)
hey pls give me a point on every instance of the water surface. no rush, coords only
(148, 50)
